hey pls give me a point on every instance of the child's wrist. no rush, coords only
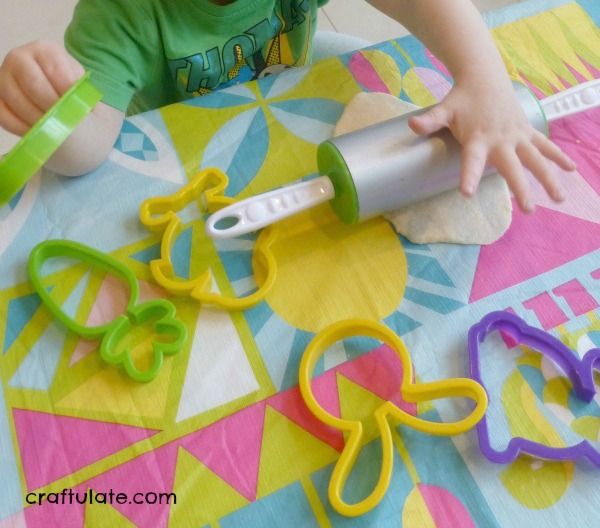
(484, 79)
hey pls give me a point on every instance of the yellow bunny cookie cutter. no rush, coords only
(159, 214)
(411, 392)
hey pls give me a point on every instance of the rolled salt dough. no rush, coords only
(449, 217)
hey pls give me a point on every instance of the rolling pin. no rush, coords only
(384, 167)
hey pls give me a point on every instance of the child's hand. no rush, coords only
(492, 128)
(32, 78)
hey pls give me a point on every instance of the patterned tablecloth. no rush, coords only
(223, 427)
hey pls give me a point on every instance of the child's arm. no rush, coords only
(32, 78)
(481, 110)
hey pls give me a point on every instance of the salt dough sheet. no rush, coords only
(449, 217)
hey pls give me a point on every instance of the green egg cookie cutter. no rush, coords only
(111, 333)
(45, 137)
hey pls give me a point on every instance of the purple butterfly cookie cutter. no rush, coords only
(579, 371)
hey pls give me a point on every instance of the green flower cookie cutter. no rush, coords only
(45, 137)
(113, 332)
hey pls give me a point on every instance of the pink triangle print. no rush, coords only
(110, 301)
(151, 473)
(149, 291)
(49, 514)
(14, 521)
(579, 136)
(83, 349)
(291, 405)
(580, 201)
(533, 245)
(380, 372)
(445, 508)
(231, 448)
(54, 446)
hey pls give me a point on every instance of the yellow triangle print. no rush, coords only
(101, 515)
(288, 453)
(562, 49)
(202, 496)
(415, 513)
(520, 45)
(359, 404)
(111, 392)
(279, 167)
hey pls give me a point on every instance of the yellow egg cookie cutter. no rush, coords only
(411, 392)
(159, 214)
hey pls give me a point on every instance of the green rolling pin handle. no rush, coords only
(45, 137)
(172, 331)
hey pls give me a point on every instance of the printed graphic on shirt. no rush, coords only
(273, 44)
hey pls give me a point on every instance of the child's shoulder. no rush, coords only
(133, 9)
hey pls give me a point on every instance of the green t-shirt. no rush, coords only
(147, 53)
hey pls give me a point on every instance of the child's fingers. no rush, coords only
(9, 121)
(431, 121)
(15, 98)
(59, 67)
(33, 81)
(553, 152)
(509, 166)
(474, 158)
(541, 168)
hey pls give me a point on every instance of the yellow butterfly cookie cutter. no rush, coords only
(159, 214)
(411, 392)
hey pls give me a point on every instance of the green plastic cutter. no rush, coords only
(37, 146)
